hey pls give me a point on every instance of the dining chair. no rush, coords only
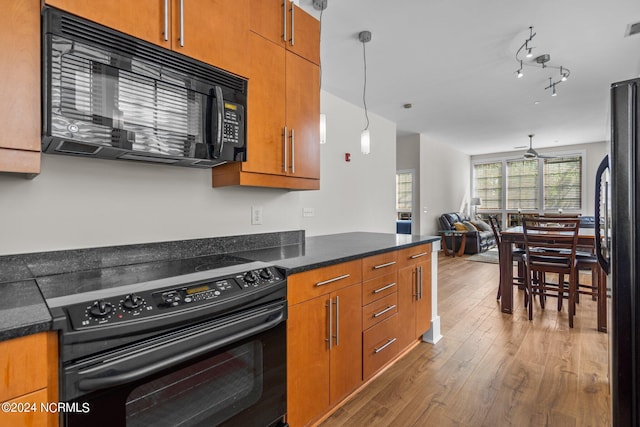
(516, 256)
(550, 247)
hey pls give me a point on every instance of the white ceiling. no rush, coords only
(454, 60)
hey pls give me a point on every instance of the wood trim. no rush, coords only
(19, 161)
(231, 174)
(52, 374)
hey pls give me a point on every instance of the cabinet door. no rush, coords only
(20, 87)
(304, 34)
(407, 294)
(213, 31)
(346, 351)
(303, 116)
(141, 19)
(265, 138)
(267, 18)
(423, 304)
(307, 360)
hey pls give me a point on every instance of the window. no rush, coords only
(533, 186)
(563, 183)
(404, 191)
(488, 184)
(522, 184)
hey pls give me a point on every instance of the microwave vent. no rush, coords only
(71, 147)
(93, 34)
(131, 156)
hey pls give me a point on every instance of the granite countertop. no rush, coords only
(23, 310)
(320, 251)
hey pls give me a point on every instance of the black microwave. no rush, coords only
(109, 95)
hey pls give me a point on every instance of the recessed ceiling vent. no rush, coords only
(632, 29)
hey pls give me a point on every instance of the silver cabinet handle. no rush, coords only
(293, 151)
(330, 330)
(387, 344)
(284, 20)
(414, 274)
(284, 144)
(386, 310)
(335, 279)
(419, 255)
(293, 23)
(376, 267)
(165, 33)
(420, 282)
(384, 288)
(337, 321)
(181, 23)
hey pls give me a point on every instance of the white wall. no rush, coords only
(79, 203)
(444, 182)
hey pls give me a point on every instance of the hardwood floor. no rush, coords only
(491, 369)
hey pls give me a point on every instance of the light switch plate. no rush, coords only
(308, 212)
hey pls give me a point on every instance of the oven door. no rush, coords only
(229, 371)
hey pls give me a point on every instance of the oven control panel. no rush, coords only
(148, 303)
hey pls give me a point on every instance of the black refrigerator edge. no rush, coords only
(617, 216)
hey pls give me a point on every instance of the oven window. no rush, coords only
(205, 393)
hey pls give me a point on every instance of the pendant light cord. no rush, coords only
(364, 87)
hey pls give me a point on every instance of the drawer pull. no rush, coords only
(384, 288)
(421, 254)
(376, 267)
(387, 344)
(335, 279)
(386, 310)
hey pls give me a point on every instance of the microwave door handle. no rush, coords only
(217, 115)
(604, 263)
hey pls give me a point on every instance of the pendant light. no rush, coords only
(365, 138)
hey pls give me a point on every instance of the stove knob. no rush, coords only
(101, 308)
(266, 274)
(132, 301)
(250, 277)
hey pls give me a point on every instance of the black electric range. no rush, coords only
(101, 309)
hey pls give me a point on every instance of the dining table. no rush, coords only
(514, 236)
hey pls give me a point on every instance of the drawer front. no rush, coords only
(378, 311)
(380, 345)
(379, 265)
(379, 287)
(413, 255)
(313, 283)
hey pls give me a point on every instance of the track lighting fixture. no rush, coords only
(365, 138)
(540, 61)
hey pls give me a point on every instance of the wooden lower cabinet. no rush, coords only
(380, 345)
(324, 345)
(414, 294)
(29, 379)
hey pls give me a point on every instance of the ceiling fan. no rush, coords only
(533, 154)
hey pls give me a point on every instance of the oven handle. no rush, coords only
(92, 384)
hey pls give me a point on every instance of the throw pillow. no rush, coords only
(469, 226)
(459, 226)
(482, 226)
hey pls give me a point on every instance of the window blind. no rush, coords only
(563, 183)
(488, 184)
(522, 184)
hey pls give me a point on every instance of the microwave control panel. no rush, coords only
(233, 123)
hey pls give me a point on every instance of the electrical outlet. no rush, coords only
(256, 215)
(308, 212)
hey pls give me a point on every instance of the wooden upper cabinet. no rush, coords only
(303, 117)
(20, 87)
(266, 103)
(268, 17)
(304, 37)
(142, 19)
(212, 31)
